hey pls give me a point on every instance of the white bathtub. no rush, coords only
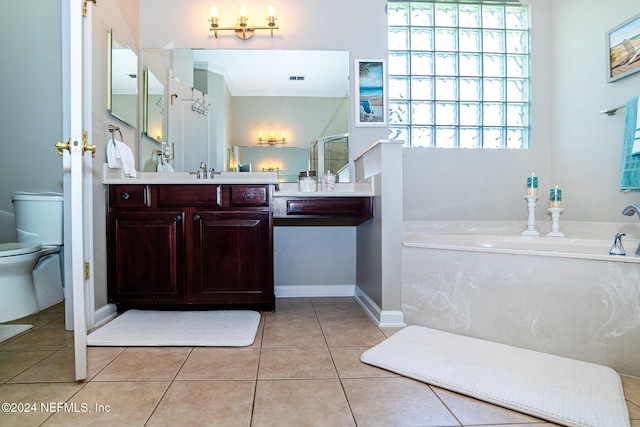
(565, 296)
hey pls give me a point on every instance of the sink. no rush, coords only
(169, 176)
(114, 176)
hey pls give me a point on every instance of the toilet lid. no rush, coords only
(12, 249)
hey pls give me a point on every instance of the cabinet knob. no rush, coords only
(126, 196)
(247, 195)
(178, 218)
(196, 217)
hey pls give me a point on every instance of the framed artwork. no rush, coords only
(623, 49)
(371, 92)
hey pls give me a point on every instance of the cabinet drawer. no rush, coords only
(189, 195)
(248, 195)
(337, 206)
(133, 196)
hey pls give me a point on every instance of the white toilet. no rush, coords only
(31, 270)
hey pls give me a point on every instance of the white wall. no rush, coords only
(586, 146)
(31, 107)
(121, 16)
(573, 145)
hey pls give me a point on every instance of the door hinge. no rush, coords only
(84, 6)
(87, 271)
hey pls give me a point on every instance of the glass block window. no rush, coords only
(459, 74)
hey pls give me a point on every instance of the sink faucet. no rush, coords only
(203, 173)
(629, 211)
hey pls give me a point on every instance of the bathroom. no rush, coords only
(572, 145)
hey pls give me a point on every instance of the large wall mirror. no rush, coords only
(252, 93)
(122, 80)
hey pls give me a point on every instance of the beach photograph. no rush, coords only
(624, 49)
(370, 89)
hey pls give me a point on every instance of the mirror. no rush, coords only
(153, 107)
(122, 80)
(304, 94)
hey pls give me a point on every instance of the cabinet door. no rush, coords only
(232, 258)
(146, 256)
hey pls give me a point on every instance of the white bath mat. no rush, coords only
(10, 331)
(149, 328)
(557, 389)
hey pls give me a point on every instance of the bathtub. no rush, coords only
(561, 295)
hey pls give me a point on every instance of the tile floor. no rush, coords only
(303, 370)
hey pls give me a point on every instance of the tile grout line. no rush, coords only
(255, 383)
(164, 393)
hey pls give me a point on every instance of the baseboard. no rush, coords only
(383, 318)
(314, 291)
(104, 314)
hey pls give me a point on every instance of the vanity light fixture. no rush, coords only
(271, 139)
(270, 167)
(244, 28)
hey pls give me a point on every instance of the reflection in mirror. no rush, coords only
(331, 154)
(153, 106)
(302, 93)
(122, 99)
(287, 161)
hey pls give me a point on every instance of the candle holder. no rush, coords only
(555, 222)
(531, 221)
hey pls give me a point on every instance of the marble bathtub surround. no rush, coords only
(564, 296)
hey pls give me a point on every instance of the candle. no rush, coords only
(532, 185)
(555, 197)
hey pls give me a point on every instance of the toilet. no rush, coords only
(31, 269)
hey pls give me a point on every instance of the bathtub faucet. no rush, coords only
(617, 248)
(629, 211)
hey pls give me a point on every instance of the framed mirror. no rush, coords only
(153, 107)
(122, 80)
(303, 93)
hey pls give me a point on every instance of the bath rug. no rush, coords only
(557, 389)
(10, 331)
(152, 328)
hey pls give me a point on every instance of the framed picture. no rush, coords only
(371, 92)
(623, 49)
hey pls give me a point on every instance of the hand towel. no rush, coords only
(635, 151)
(630, 165)
(119, 155)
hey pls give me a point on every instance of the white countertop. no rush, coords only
(114, 176)
(346, 189)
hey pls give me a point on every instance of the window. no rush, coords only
(459, 74)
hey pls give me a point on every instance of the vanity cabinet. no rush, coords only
(146, 255)
(230, 256)
(184, 245)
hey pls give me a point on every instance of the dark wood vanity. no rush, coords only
(206, 246)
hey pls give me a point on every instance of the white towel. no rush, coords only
(120, 156)
(635, 150)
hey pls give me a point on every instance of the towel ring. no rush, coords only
(112, 129)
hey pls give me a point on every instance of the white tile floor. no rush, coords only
(303, 370)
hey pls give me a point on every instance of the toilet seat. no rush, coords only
(13, 249)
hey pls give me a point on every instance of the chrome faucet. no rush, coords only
(202, 174)
(617, 248)
(629, 211)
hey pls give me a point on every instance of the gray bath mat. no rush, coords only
(10, 331)
(150, 328)
(553, 388)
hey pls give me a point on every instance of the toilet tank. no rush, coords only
(39, 216)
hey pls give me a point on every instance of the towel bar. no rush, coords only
(611, 111)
